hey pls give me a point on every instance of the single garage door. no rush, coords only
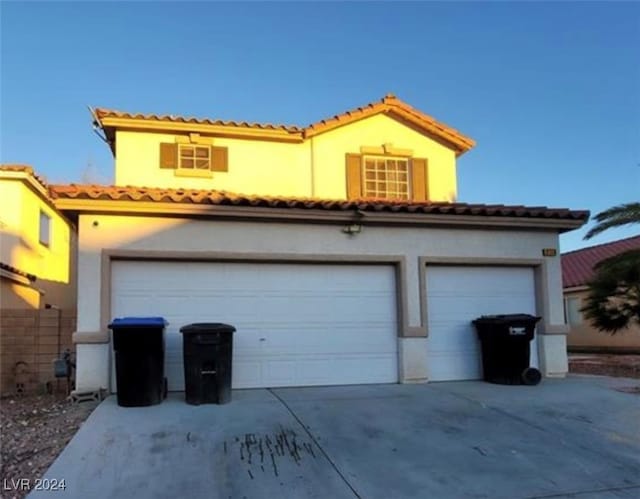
(297, 324)
(458, 294)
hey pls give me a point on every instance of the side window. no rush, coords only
(45, 229)
(572, 313)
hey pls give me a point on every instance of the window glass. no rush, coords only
(45, 228)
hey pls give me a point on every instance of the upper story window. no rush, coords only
(386, 177)
(45, 229)
(197, 158)
(194, 157)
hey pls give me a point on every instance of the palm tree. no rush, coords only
(613, 303)
(617, 216)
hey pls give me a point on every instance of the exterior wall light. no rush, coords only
(352, 229)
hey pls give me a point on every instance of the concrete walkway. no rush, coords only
(578, 437)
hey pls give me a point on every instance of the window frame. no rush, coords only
(395, 195)
(194, 158)
(44, 228)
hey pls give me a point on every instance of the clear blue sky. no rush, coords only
(550, 91)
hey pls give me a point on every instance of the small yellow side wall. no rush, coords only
(313, 168)
(20, 247)
(584, 337)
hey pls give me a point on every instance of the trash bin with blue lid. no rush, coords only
(138, 343)
(506, 352)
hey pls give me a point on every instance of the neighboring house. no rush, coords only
(338, 250)
(37, 281)
(577, 270)
(37, 244)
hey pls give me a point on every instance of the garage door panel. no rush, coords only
(296, 324)
(456, 296)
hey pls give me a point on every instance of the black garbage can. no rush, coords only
(138, 343)
(505, 341)
(208, 350)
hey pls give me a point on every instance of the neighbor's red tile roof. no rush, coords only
(577, 266)
(388, 104)
(115, 193)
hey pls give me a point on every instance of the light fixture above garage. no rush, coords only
(352, 229)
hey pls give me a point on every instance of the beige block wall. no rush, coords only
(28, 346)
(585, 337)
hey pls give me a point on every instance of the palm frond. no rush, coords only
(616, 216)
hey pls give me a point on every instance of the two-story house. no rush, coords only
(337, 250)
(36, 244)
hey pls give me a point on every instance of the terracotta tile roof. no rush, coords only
(205, 197)
(23, 169)
(13, 270)
(577, 266)
(389, 104)
(110, 113)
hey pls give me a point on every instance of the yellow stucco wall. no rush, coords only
(329, 151)
(313, 168)
(584, 336)
(255, 167)
(21, 247)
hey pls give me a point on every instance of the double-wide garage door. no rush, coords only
(297, 324)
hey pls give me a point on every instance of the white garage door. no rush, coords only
(297, 324)
(456, 296)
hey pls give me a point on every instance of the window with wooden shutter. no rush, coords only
(219, 159)
(386, 177)
(419, 179)
(168, 155)
(354, 176)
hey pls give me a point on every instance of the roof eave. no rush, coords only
(310, 215)
(149, 125)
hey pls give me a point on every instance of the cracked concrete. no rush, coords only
(576, 438)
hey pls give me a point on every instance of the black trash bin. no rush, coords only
(505, 341)
(208, 350)
(138, 343)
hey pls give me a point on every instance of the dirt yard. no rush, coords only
(34, 430)
(620, 366)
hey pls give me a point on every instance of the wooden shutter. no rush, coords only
(419, 179)
(354, 176)
(219, 159)
(168, 155)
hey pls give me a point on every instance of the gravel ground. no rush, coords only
(33, 431)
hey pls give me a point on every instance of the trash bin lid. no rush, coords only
(207, 327)
(503, 319)
(138, 322)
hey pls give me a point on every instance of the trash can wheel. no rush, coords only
(531, 376)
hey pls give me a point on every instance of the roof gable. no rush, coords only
(110, 120)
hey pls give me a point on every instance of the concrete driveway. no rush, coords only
(577, 437)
